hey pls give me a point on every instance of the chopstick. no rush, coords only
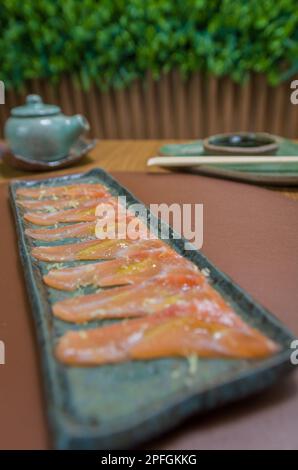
(180, 161)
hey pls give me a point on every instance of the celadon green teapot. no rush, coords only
(41, 132)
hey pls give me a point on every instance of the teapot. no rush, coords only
(41, 132)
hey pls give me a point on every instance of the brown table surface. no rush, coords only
(119, 155)
(258, 249)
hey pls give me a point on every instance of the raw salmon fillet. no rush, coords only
(84, 214)
(52, 205)
(79, 230)
(173, 333)
(121, 271)
(146, 298)
(88, 229)
(95, 250)
(65, 191)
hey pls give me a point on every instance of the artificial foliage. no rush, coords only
(113, 42)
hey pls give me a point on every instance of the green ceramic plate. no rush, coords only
(277, 174)
(119, 406)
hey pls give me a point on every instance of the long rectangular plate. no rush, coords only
(121, 405)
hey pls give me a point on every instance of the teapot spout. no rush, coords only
(81, 122)
(76, 125)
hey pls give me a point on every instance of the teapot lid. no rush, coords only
(34, 107)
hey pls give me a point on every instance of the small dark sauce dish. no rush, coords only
(241, 143)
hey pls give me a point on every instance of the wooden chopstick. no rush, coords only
(180, 161)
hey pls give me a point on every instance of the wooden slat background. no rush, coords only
(172, 107)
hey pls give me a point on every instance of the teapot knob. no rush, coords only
(33, 99)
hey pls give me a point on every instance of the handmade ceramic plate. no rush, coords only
(121, 405)
(78, 151)
(272, 174)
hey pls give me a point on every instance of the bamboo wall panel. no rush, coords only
(171, 107)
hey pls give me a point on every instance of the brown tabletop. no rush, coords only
(249, 232)
(119, 155)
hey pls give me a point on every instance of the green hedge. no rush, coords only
(113, 42)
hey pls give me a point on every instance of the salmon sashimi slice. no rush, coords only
(120, 271)
(79, 230)
(65, 191)
(85, 214)
(111, 229)
(52, 205)
(187, 292)
(95, 250)
(149, 297)
(169, 334)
